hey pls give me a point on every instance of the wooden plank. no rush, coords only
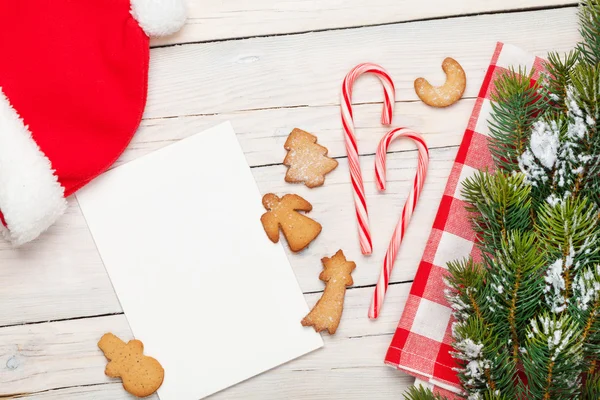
(262, 133)
(356, 383)
(43, 357)
(104, 391)
(333, 207)
(375, 383)
(300, 70)
(47, 356)
(218, 20)
(61, 275)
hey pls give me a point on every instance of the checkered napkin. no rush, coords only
(422, 343)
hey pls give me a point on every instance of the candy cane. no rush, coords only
(360, 203)
(409, 206)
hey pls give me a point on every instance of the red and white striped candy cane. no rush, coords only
(409, 206)
(366, 243)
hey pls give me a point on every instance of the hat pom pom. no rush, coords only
(159, 17)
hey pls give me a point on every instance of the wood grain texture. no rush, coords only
(266, 86)
(59, 276)
(218, 20)
(35, 359)
(299, 70)
(262, 133)
(62, 275)
(354, 383)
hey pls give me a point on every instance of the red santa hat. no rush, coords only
(73, 86)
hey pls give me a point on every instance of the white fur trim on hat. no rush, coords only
(31, 199)
(159, 17)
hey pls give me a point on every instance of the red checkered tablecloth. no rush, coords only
(421, 345)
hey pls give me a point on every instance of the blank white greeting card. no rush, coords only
(201, 285)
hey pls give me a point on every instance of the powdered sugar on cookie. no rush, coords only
(307, 161)
(447, 94)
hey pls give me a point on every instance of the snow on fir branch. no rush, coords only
(528, 315)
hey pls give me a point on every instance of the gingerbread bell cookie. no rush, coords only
(327, 313)
(306, 160)
(141, 375)
(298, 229)
(447, 94)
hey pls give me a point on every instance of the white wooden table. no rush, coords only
(270, 66)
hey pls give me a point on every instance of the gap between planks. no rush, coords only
(166, 42)
(262, 134)
(397, 382)
(291, 107)
(366, 155)
(28, 394)
(314, 292)
(90, 292)
(359, 344)
(289, 71)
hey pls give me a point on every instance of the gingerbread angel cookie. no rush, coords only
(307, 161)
(141, 375)
(298, 229)
(327, 313)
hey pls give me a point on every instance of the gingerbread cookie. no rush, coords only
(141, 375)
(447, 94)
(298, 229)
(327, 313)
(307, 161)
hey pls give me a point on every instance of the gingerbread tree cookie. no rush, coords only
(141, 375)
(298, 229)
(327, 313)
(307, 161)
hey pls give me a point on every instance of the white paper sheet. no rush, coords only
(201, 285)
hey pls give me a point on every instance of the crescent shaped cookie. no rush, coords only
(447, 94)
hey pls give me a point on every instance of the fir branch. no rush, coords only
(583, 106)
(499, 203)
(589, 21)
(586, 310)
(590, 322)
(466, 289)
(485, 364)
(591, 389)
(532, 306)
(516, 282)
(569, 233)
(562, 157)
(558, 78)
(538, 161)
(484, 359)
(553, 357)
(496, 396)
(421, 393)
(516, 104)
